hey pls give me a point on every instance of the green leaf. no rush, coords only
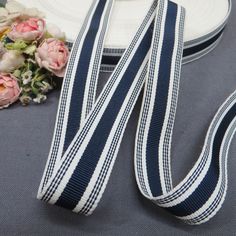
(17, 45)
(34, 90)
(2, 5)
(17, 73)
(30, 50)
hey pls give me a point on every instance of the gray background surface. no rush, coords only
(25, 141)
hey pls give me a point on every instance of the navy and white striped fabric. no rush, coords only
(88, 132)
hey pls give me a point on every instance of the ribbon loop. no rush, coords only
(88, 132)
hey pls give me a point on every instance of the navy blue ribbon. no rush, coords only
(88, 133)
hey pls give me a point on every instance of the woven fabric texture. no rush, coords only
(25, 139)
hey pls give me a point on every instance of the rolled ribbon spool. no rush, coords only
(204, 24)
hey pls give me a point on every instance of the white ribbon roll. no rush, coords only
(205, 22)
(202, 17)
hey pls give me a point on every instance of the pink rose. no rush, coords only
(29, 30)
(53, 55)
(9, 90)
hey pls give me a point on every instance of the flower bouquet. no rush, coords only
(33, 55)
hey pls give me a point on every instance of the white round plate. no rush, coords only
(202, 17)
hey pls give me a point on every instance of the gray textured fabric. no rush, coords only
(25, 141)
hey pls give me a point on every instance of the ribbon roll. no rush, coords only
(88, 132)
(204, 24)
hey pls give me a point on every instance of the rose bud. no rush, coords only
(53, 55)
(29, 30)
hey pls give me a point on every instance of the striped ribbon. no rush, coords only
(88, 132)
